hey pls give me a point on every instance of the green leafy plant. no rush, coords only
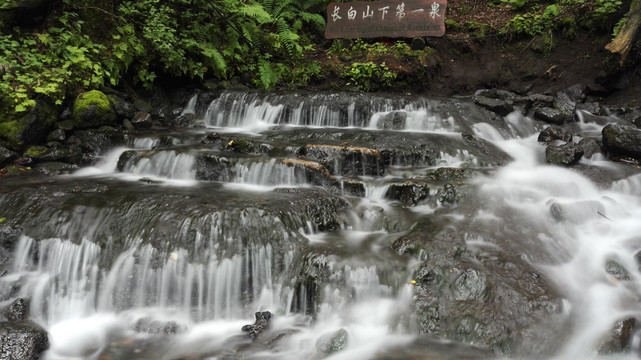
(365, 75)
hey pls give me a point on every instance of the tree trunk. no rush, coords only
(622, 43)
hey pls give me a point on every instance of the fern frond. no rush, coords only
(313, 19)
(216, 59)
(267, 75)
(257, 12)
(282, 5)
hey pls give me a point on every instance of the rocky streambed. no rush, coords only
(309, 225)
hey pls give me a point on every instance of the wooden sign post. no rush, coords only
(386, 18)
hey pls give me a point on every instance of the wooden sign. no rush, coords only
(387, 18)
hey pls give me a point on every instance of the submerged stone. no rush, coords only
(331, 343)
(261, 323)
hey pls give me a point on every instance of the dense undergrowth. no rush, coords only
(79, 45)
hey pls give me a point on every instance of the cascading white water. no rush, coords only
(81, 295)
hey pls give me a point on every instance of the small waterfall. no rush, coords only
(164, 164)
(67, 282)
(268, 173)
(190, 108)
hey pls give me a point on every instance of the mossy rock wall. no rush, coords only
(31, 127)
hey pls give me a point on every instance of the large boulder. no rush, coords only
(92, 109)
(498, 101)
(622, 140)
(22, 341)
(566, 154)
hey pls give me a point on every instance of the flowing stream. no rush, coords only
(285, 203)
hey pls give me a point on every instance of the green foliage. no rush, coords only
(364, 75)
(146, 39)
(49, 64)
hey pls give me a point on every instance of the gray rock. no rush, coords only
(22, 341)
(18, 310)
(553, 133)
(409, 193)
(565, 104)
(209, 167)
(261, 323)
(332, 343)
(6, 155)
(590, 146)
(621, 140)
(552, 116)
(566, 154)
(57, 135)
(142, 120)
(498, 101)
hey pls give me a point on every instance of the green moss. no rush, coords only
(451, 25)
(92, 109)
(10, 134)
(35, 151)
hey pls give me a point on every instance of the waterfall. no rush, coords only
(370, 223)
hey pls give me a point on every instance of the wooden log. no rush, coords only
(622, 43)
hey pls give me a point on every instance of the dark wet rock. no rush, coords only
(57, 135)
(486, 296)
(184, 120)
(534, 101)
(447, 195)
(31, 127)
(333, 342)
(551, 115)
(241, 145)
(122, 107)
(432, 348)
(593, 108)
(22, 341)
(142, 105)
(498, 101)
(151, 326)
(566, 154)
(142, 120)
(18, 310)
(590, 146)
(52, 168)
(452, 174)
(99, 141)
(347, 160)
(616, 270)
(620, 337)
(565, 104)
(409, 193)
(212, 167)
(6, 155)
(553, 133)
(574, 94)
(211, 138)
(317, 174)
(261, 323)
(394, 120)
(577, 212)
(621, 140)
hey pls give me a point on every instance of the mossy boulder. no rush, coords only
(23, 129)
(92, 109)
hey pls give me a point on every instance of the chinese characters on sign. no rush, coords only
(387, 18)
